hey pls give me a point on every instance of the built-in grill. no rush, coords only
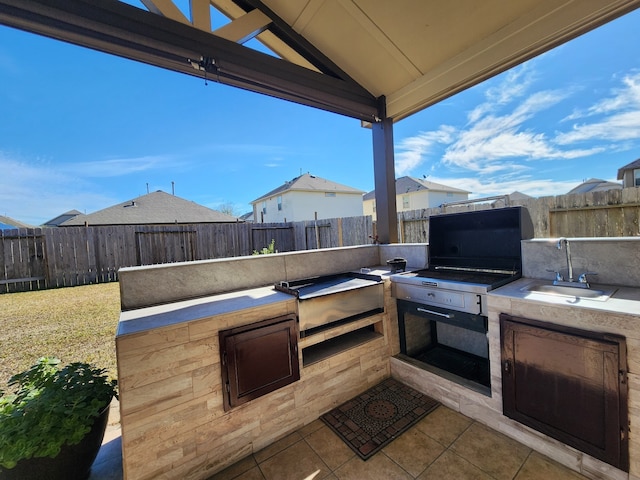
(442, 309)
(327, 300)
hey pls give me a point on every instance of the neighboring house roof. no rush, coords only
(309, 183)
(631, 166)
(156, 208)
(595, 185)
(55, 222)
(13, 223)
(247, 217)
(410, 184)
(516, 195)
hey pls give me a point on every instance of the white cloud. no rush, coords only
(626, 97)
(117, 167)
(494, 138)
(514, 85)
(35, 193)
(413, 149)
(624, 126)
(275, 162)
(19, 176)
(490, 137)
(37, 190)
(620, 116)
(505, 135)
(483, 187)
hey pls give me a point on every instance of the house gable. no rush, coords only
(630, 174)
(305, 198)
(413, 194)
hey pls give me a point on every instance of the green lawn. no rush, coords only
(73, 324)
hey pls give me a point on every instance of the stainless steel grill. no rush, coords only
(442, 309)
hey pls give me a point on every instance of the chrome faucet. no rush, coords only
(582, 279)
(562, 240)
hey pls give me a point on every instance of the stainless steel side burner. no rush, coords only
(328, 299)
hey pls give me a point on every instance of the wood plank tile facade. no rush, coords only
(488, 410)
(173, 422)
(172, 416)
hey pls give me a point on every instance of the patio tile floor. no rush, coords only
(443, 445)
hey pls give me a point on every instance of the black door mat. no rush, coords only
(374, 418)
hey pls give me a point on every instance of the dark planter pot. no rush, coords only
(72, 463)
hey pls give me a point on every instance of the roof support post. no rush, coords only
(384, 178)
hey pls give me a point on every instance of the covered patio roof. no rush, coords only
(375, 61)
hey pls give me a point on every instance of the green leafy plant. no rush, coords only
(50, 407)
(271, 248)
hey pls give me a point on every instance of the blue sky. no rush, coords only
(85, 130)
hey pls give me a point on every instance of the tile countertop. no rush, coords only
(148, 318)
(624, 300)
(142, 319)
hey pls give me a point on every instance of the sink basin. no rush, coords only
(569, 291)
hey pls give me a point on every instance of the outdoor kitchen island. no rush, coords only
(173, 420)
(617, 261)
(173, 417)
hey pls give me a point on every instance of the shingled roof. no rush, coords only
(631, 166)
(595, 185)
(13, 223)
(309, 183)
(63, 217)
(156, 208)
(410, 184)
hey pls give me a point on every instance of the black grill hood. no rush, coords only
(480, 239)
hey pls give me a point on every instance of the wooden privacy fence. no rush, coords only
(40, 258)
(609, 213)
(57, 257)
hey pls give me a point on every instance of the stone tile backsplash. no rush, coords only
(615, 260)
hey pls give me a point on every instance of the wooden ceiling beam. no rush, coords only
(120, 29)
(244, 28)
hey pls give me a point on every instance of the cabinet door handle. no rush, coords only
(506, 366)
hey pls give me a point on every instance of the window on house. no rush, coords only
(329, 194)
(405, 201)
(264, 208)
(449, 194)
(279, 202)
(374, 205)
(636, 177)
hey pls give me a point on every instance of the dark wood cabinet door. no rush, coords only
(258, 358)
(567, 383)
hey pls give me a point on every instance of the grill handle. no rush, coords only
(445, 315)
